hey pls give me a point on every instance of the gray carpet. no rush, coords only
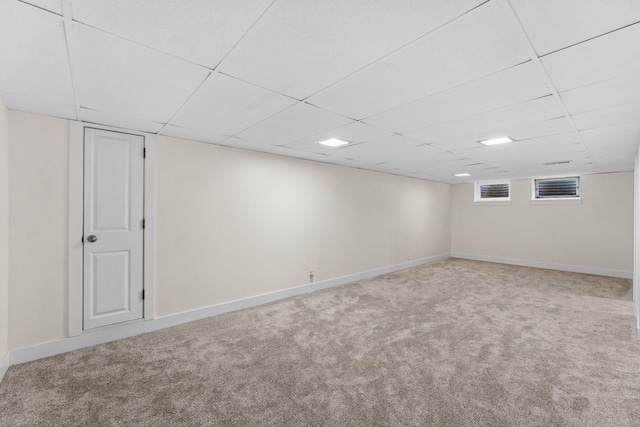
(456, 343)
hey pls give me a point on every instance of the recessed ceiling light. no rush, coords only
(495, 141)
(462, 174)
(333, 142)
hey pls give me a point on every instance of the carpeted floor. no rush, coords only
(455, 343)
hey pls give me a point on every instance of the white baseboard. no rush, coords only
(116, 332)
(4, 365)
(562, 267)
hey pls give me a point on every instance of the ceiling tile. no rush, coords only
(604, 58)
(378, 146)
(300, 121)
(616, 159)
(226, 106)
(326, 40)
(444, 73)
(511, 86)
(556, 128)
(54, 6)
(317, 157)
(34, 55)
(609, 143)
(350, 163)
(520, 146)
(406, 151)
(609, 116)
(496, 120)
(571, 169)
(549, 162)
(246, 144)
(509, 155)
(613, 131)
(38, 106)
(354, 133)
(551, 140)
(108, 119)
(457, 143)
(560, 125)
(299, 154)
(202, 32)
(194, 135)
(553, 24)
(479, 43)
(118, 77)
(614, 150)
(618, 165)
(422, 160)
(623, 90)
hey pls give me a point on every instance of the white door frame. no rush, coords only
(76, 211)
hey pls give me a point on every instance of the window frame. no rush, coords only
(491, 200)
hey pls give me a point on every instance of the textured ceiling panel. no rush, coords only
(480, 43)
(556, 24)
(613, 143)
(612, 131)
(125, 79)
(325, 40)
(202, 32)
(512, 86)
(610, 93)
(252, 145)
(535, 130)
(495, 120)
(33, 48)
(603, 58)
(354, 133)
(293, 124)
(608, 116)
(54, 6)
(195, 135)
(406, 152)
(622, 150)
(226, 106)
(383, 145)
(412, 85)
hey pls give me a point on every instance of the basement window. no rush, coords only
(561, 190)
(494, 192)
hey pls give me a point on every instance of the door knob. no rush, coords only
(92, 238)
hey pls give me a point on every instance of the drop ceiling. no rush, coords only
(413, 85)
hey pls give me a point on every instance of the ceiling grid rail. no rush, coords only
(67, 19)
(547, 79)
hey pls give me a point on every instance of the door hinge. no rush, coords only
(144, 152)
(143, 223)
(143, 294)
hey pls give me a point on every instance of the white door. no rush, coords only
(113, 227)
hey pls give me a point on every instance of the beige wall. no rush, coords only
(233, 223)
(4, 230)
(636, 242)
(38, 205)
(597, 233)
